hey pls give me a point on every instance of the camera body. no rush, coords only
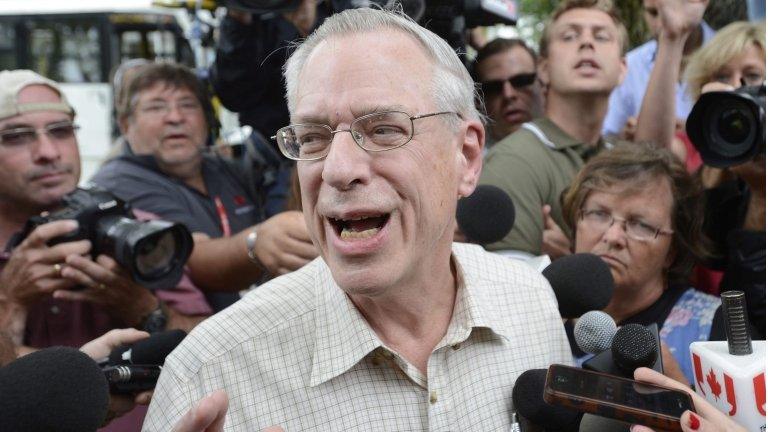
(728, 127)
(154, 252)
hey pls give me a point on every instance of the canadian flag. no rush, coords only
(733, 384)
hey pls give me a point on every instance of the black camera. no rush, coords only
(154, 252)
(728, 127)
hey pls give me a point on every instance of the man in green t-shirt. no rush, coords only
(581, 62)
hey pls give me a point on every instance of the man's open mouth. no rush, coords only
(359, 227)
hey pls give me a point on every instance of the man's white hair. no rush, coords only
(452, 86)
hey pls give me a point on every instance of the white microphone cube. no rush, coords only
(733, 384)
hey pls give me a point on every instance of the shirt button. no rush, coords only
(432, 397)
(456, 347)
(55, 310)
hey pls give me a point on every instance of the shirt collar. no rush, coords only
(474, 308)
(343, 337)
(558, 139)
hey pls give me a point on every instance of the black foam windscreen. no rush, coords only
(582, 282)
(150, 351)
(529, 403)
(633, 349)
(634, 346)
(487, 215)
(55, 389)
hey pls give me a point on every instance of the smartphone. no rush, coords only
(615, 397)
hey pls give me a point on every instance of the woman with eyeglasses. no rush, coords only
(638, 209)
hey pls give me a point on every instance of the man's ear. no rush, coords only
(542, 72)
(470, 156)
(122, 123)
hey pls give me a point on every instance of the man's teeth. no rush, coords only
(347, 233)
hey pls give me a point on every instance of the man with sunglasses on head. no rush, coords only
(506, 71)
(581, 62)
(57, 294)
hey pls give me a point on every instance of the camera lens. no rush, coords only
(154, 251)
(154, 254)
(733, 126)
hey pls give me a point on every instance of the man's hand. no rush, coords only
(107, 284)
(34, 269)
(100, 348)
(207, 416)
(679, 17)
(283, 244)
(554, 242)
(708, 418)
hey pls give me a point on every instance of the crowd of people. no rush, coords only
(361, 310)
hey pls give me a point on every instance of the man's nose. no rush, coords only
(346, 163)
(509, 90)
(45, 148)
(174, 114)
(586, 40)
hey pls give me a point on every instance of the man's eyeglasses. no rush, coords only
(374, 132)
(24, 136)
(601, 220)
(518, 81)
(162, 109)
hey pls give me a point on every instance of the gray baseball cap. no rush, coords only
(11, 83)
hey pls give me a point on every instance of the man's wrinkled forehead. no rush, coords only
(581, 18)
(349, 62)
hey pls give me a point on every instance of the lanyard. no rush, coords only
(223, 218)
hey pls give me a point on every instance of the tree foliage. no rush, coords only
(535, 13)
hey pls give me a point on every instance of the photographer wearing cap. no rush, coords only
(59, 295)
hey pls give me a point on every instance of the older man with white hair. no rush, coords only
(394, 327)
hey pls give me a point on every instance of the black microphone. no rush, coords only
(486, 216)
(528, 399)
(150, 351)
(55, 389)
(136, 368)
(582, 282)
(633, 346)
(129, 379)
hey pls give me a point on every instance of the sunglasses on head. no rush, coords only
(516, 81)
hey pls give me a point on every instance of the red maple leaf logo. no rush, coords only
(714, 386)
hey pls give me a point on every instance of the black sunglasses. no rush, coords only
(516, 81)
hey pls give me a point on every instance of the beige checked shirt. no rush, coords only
(297, 353)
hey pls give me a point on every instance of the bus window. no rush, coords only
(8, 58)
(154, 44)
(66, 51)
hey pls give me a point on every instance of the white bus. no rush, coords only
(79, 42)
